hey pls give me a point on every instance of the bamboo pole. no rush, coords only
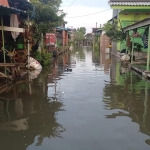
(145, 102)
(126, 42)
(28, 47)
(3, 40)
(132, 51)
(148, 53)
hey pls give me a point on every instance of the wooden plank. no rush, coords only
(3, 75)
(7, 64)
(12, 29)
(11, 64)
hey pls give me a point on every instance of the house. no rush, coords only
(128, 12)
(62, 35)
(13, 35)
(88, 36)
(97, 31)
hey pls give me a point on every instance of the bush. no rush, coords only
(38, 56)
(43, 57)
(46, 57)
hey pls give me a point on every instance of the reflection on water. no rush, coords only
(129, 96)
(84, 100)
(26, 113)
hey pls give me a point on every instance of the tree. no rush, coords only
(113, 31)
(45, 16)
(82, 30)
(79, 36)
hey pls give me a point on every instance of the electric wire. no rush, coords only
(70, 5)
(89, 14)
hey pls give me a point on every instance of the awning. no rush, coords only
(60, 28)
(9, 10)
(142, 23)
(20, 4)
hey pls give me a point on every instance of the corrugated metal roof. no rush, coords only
(142, 23)
(60, 28)
(129, 2)
(20, 4)
(9, 10)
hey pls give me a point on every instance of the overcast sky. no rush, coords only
(85, 7)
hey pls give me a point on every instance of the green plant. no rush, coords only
(113, 31)
(38, 56)
(45, 17)
(46, 57)
(138, 47)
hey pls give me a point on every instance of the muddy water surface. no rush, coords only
(83, 101)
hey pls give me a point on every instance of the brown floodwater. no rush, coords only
(83, 101)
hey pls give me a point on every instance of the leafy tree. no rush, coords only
(82, 30)
(113, 31)
(79, 36)
(45, 16)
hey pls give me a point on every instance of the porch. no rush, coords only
(142, 64)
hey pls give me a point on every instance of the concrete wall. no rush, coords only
(127, 19)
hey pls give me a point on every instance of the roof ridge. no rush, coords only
(129, 0)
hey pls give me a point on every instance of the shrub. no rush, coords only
(46, 57)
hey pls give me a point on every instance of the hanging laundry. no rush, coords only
(14, 23)
(145, 38)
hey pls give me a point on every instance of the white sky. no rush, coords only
(84, 7)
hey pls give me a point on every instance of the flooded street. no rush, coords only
(81, 102)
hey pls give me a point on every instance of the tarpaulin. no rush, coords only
(50, 39)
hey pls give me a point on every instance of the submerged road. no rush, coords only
(81, 102)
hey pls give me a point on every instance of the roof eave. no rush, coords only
(10, 10)
(129, 3)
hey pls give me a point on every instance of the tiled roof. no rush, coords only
(129, 2)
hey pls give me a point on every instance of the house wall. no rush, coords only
(127, 19)
(104, 42)
(65, 38)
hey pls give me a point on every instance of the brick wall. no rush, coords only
(104, 42)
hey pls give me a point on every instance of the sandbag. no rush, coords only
(125, 57)
(34, 73)
(33, 63)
